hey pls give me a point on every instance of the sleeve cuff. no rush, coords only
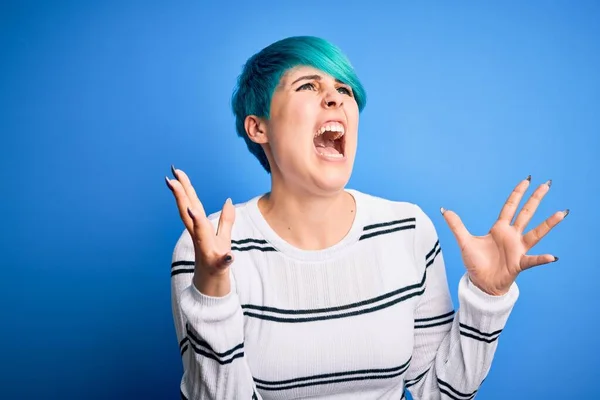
(480, 302)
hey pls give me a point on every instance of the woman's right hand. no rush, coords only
(212, 249)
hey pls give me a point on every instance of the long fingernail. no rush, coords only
(228, 201)
(174, 172)
(442, 210)
(555, 259)
(549, 183)
(566, 212)
(529, 178)
(191, 214)
(168, 183)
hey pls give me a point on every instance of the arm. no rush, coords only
(210, 335)
(453, 351)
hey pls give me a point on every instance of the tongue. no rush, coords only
(325, 146)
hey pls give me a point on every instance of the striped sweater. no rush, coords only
(368, 318)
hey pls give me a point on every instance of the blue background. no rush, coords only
(98, 99)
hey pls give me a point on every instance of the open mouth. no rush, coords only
(329, 140)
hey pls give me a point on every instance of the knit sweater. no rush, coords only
(367, 318)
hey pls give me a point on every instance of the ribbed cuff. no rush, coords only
(476, 304)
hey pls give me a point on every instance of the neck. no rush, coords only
(305, 220)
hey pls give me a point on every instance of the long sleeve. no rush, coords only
(210, 335)
(453, 350)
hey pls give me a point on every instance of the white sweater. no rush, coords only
(367, 318)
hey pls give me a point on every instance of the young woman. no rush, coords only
(316, 291)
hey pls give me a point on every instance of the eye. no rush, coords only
(345, 90)
(306, 86)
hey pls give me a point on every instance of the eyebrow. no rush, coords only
(313, 77)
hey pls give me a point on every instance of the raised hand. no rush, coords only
(495, 260)
(212, 249)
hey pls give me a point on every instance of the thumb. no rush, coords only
(456, 226)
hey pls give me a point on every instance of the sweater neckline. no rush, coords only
(289, 250)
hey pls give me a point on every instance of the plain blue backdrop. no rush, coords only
(98, 99)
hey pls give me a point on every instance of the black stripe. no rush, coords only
(337, 308)
(254, 396)
(213, 357)
(416, 380)
(249, 240)
(336, 316)
(463, 396)
(184, 349)
(183, 341)
(382, 224)
(399, 371)
(470, 328)
(385, 232)
(433, 259)
(434, 324)
(336, 374)
(465, 334)
(182, 270)
(182, 395)
(419, 320)
(182, 262)
(435, 246)
(248, 248)
(197, 343)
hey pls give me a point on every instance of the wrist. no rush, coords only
(490, 290)
(212, 283)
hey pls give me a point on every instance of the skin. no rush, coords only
(308, 207)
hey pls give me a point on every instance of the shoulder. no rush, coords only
(377, 207)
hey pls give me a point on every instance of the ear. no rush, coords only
(256, 128)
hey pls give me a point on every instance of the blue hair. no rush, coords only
(263, 71)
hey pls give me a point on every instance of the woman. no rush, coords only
(317, 291)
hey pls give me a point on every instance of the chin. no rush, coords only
(332, 179)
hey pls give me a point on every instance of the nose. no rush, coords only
(332, 99)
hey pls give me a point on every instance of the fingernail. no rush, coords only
(549, 183)
(442, 210)
(174, 172)
(566, 212)
(529, 178)
(228, 201)
(168, 183)
(191, 214)
(555, 259)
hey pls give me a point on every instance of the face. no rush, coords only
(311, 136)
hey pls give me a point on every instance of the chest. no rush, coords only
(329, 329)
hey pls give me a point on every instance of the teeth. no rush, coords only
(332, 127)
(332, 155)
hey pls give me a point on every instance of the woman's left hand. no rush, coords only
(495, 260)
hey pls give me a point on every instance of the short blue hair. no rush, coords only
(263, 71)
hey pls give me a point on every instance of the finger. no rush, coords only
(530, 206)
(226, 220)
(533, 261)
(186, 183)
(456, 226)
(182, 202)
(510, 207)
(202, 234)
(532, 237)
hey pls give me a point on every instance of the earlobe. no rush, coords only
(256, 129)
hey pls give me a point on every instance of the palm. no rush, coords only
(493, 261)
